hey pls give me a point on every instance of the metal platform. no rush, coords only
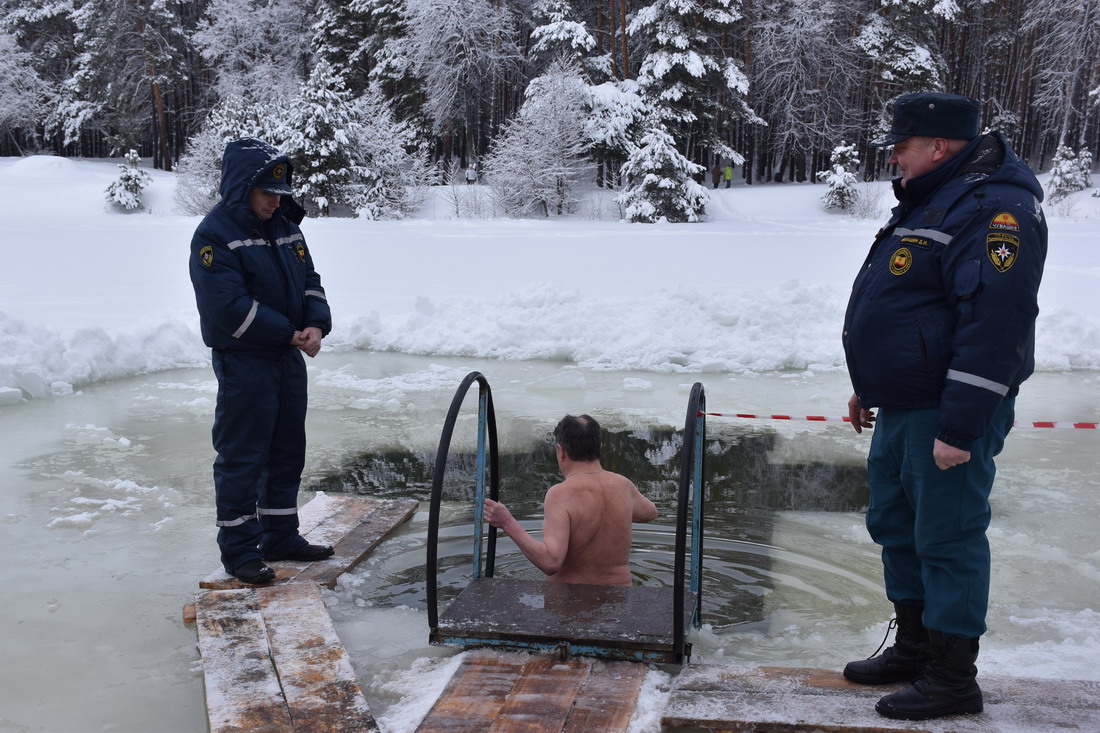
(607, 621)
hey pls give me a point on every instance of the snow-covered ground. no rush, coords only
(106, 397)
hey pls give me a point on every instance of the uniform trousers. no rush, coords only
(930, 523)
(259, 435)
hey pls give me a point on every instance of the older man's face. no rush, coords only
(916, 156)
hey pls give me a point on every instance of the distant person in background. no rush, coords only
(261, 306)
(471, 174)
(716, 174)
(586, 528)
(727, 174)
(939, 334)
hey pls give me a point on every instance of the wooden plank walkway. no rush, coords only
(353, 525)
(272, 662)
(520, 693)
(271, 658)
(784, 700)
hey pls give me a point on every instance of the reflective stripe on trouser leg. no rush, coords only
(942, 538)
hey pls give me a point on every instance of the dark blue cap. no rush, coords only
(274, 180)
(933, 114)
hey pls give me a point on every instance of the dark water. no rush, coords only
(743, 492)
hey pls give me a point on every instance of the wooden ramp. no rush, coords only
(783, 700)
(353, 525)
(609, 621)
(520, 693)
(272, 662)
(271, 658)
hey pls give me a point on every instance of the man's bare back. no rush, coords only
(586, 530)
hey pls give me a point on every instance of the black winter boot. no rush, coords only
(947, 686)
(902, 662)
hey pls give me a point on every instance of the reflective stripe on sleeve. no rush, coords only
(247, 319)
(236, 522)
(247, 243)
(932, 234)
(976, 381)
(316, 294)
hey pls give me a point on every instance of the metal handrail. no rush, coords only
(691, 489)
(487, 430)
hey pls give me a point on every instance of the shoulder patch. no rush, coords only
(301, 250)
(206, 256)
(901, 261)
(1003, 249)
(1005, 222)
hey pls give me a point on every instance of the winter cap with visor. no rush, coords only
(932, 114)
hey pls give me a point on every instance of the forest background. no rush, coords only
(614, 87)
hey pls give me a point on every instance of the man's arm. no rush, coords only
(547, 555)
(644, 510)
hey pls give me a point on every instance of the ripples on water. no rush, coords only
(756, 547)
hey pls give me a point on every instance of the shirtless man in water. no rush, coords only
(586, 526)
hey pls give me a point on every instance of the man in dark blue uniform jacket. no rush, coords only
(261, 306)
(939, 334)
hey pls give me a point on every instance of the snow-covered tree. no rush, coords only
(541, 154)
(125, 193)
(198, 173)
(461, 48)
(696, 89)
(660, 182)
(804, 70)
(393, 167)
(900, 40)
(1066, 50)
(616, 118)
(325, 164)
(560, 35)
(129, 52)
(22, 92)
(258, 49)
(841, 192)
(1070, 172)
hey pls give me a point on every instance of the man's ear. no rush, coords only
(559, 451)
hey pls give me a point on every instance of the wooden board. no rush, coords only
(609, 621)
(353, 525)
(516, 692)
(272, 661)
(783, 700)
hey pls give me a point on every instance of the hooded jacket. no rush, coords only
(942, 314)
(254, 280)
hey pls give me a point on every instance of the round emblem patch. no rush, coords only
(901, 261)
(278, 172)
(206, 256)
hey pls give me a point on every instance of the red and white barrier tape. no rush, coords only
(822, 418)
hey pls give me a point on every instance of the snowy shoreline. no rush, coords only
(761, 286)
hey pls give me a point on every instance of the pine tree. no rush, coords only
(841, 192)
(1070, 172)
(325, 165)
(696, 89)
(125, 193)
(615, 121)
(660, 182)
